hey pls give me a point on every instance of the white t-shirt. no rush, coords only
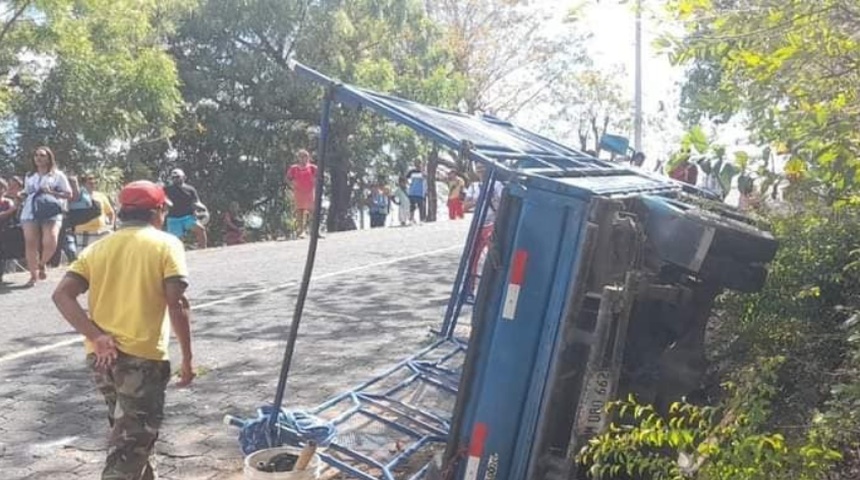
(35, 182)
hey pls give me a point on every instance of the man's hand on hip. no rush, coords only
(104, 347)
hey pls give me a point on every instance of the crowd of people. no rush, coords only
(50, 213)
(410, 196)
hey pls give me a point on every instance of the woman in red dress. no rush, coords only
(301, 179)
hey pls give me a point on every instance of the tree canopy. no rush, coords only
(88, 77)
(789, 68)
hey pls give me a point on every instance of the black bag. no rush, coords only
(46, 206)
(80, 216)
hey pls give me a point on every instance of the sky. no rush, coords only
(612, 25)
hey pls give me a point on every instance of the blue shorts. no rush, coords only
(179, 226)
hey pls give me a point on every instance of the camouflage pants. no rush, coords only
(134, 392)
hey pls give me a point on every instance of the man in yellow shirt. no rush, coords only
(136, 279)
(88, 233)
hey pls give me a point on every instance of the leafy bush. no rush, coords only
(708, 443)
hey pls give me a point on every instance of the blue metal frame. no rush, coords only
(464, 281)
(423, 428)
(510, 406)
(530, 163)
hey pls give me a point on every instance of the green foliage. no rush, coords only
(90, 74)
(697, 148)
(801, 315)
(789, 67)
(585, 105)
(789, 360)
(707, 443)
(247, 113)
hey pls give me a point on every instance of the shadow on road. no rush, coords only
(354, 326)
(6, 287)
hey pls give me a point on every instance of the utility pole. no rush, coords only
(637, 101)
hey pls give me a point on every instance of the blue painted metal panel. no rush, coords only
(573, 216)
(514, 355)
(615, 143)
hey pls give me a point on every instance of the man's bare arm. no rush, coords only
(66, 299)
(180, 319)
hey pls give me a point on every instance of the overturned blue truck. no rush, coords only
(598, 283)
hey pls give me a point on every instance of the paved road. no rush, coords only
(374, 298)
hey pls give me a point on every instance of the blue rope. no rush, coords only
(294, 428)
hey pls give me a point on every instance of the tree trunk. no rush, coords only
(339, 167)
(339, 218)
(432, 167)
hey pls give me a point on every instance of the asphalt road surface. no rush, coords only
(374, 298)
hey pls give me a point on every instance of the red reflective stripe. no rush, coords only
(479, 436)
(518, 270)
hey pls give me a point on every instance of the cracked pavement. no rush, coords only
(374, 298)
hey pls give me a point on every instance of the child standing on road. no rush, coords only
(401, 199)
(378, 201)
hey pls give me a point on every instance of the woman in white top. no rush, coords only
(40, 235)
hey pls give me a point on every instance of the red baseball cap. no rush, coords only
(142, 195)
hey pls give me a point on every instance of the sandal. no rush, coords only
(31, 282)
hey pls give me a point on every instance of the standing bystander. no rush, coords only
(8, 209)
(482, 243)
(401, 199)
(136, 279)
(456, 187)
(301, 179)
(87, 233)
(417, 191)
(183, 214)
(379, 202)
(47, 190)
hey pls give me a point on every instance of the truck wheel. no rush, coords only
(675, 227)
(736, 238)
(733, 274)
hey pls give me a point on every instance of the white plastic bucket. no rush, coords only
(252, 460)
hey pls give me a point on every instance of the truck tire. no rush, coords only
(733, 274)
(670, 221)
(735, 238)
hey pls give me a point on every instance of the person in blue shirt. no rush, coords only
(417, 191)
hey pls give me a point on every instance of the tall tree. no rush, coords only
(247, 105)
(88, 77)
(511, 51)
(585, 105)
(790, 67)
